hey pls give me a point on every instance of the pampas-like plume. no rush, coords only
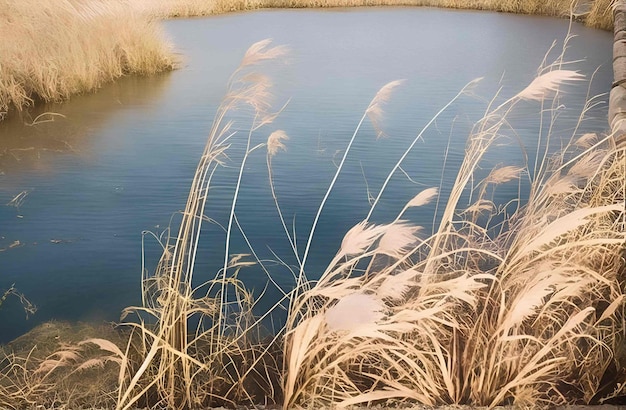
(503, 174)
(529, 301)
(586, 165)
(275, 142)
(548, 83)
(559, 185)
(260, 51)
(65, 357)
(375, 110)
(394, 287)
(567, 223)
(360, 237)
(397, 239)
(105, 345)
(587, 140)
(354, 311)
(424, 197)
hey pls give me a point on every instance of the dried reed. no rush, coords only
(222, 360)
(53, 49)
(495, 306)
(528, 311)
(595, 13)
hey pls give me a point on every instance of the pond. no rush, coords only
(120, 162)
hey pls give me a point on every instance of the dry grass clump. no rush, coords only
(499, 305)
(52, 49)
(203, 346)
(596, 13)
(601, 14)
(60, 365)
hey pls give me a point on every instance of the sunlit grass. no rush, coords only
(498, 305)
(51, 49)
(520, 304)
(61, 365)
(596, 13)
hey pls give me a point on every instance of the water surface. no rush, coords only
(120, 161)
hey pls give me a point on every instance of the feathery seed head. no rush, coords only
(587, 165)
(559, 185)
(482, 205)
(394, 287)
(587, 140)
(360, 237)
(548, 83)
(354, 311)
(261, 51)
(424, 197)
(503, 174)
(275, 142)
(397, 239)
(375, 110)
(384, 94)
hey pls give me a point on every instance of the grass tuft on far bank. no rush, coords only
(596, 13)
(51, 49)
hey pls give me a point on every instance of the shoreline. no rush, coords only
(136, 44)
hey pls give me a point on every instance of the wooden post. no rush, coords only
(617, 97)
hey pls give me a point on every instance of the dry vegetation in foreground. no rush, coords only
(60, 365)
(595, 13)
(520, 304)
(51, 49)
(517, 305)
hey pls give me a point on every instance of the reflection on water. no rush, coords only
(27, 137)
(120, 161)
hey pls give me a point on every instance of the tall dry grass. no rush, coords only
(52, 49)
(596, 13)
(57, 365)
(520, 304)
(498, 305)
(204, 346)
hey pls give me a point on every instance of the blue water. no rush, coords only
(120, 161)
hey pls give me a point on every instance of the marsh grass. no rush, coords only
(58, 364)
(54, 49)
(498, 305)
(204, 346)
(595, 13)
(520, 303)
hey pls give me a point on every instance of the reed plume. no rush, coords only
(528, 311)
(216, 361)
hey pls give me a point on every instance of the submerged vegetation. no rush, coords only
(519, 303)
